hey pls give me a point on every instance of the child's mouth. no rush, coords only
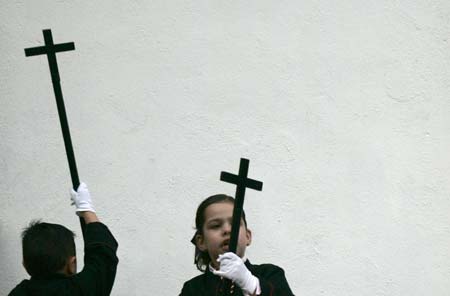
(226, 244)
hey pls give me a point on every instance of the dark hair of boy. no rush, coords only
(201, 258)
(46, 248)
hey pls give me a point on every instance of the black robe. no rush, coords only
(271, 280)
(96, 278)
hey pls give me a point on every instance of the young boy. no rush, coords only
(49, 256)
(212, 257)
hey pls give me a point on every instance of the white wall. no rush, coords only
(343, 108)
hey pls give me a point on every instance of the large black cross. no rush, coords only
(50, 49)
(242, 183)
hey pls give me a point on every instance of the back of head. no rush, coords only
(46, 248)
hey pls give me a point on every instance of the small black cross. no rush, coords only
(50, 49)
(242, 183)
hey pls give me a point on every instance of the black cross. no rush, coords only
(242, 183)
(50, 49)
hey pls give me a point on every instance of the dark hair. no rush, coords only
(46, 248)
(201, 258)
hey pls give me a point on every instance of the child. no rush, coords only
(49, 256)
(213, 222)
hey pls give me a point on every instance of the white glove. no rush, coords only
(233, 268)
(82, 199)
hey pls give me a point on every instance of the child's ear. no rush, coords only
(71, 266)
(248, 235)
(200, 242)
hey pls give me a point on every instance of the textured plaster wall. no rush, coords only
(343, 108)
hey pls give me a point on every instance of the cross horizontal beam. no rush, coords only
(234, 179)
(32, 51)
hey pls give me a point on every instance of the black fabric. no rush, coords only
(271, 279)
(96, 278)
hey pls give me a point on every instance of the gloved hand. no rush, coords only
(233, 268)
(82, 199)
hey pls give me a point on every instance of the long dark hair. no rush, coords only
(201, 258)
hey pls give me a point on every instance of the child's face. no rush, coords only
(217, 229)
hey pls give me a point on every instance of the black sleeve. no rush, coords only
(192, 288)
(19, 290)
(273, 282)
(100, 261)
(185, 291)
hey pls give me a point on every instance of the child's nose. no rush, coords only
(227, 228)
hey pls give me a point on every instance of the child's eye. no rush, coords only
(214, 225)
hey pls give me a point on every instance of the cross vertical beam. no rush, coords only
(50, 49)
